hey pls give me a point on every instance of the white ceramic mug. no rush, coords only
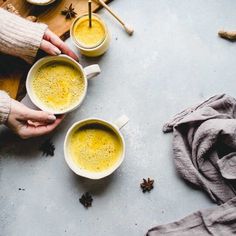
(87, 73)
(115, 127)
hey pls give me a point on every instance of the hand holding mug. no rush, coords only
(30, 123)
(53, 45)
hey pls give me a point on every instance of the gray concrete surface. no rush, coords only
(174, 59)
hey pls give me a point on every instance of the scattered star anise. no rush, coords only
(69, 12)
(147, 185)
(47, 148)
(86, 200)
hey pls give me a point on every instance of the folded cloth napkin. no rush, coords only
(218, 221)
(204, 146)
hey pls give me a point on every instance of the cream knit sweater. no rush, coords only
(21, 38)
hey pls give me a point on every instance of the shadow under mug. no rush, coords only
(87, 73)
(115, 127)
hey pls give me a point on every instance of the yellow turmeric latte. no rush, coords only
(95, 147)
(89, 36)
(58, 85)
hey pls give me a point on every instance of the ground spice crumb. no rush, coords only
(21, 189)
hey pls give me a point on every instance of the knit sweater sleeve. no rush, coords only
(5, 103)
(20, 37)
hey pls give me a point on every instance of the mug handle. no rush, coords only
(121, 121)
(92, 71)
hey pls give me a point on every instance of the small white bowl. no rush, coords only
(118, 124)
(40, 2)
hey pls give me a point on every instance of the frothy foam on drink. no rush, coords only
(95, 147)
(58, 85)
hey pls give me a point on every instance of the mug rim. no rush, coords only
(90, 174)
(80, 46)
(48, 59)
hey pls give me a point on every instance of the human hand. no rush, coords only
(30, 123)
(53, 45)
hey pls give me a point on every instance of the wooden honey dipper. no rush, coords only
(127, 28)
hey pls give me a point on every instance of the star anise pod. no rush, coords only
(86, 200)
(147, 185)
(69, 12)
(47, 148)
